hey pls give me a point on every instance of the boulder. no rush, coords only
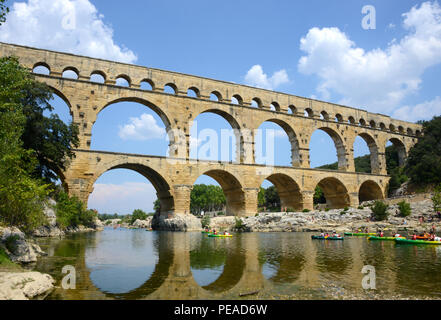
(147, 224)
(178, 222)
(18, 247)
(24, 285)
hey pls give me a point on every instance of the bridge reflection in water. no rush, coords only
(166, 265)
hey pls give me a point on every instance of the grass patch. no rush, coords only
(5, 262)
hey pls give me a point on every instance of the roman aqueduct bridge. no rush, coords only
(245, 108)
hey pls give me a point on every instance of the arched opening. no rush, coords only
(41, 68)
(397, 153)
(123, 188)
(279, 192)
(275, 106)
(327, 150)
(233, 202)
(382, 126)
(147, 85)
(98, 77)
(409, 132)
(123, 81)
(351, 120)
(292, 110)
(256, 103)
(215, 96)
(324, 115)
(369, 190)
(338, 118)
(193, 92)
(215, 135)
(70, 73)
(362, 122)
(333, 193)
(171, 88)
(237, 99)
(276, 144)
(308, 113)
(132, 125)
(366, 154)
(373, 124)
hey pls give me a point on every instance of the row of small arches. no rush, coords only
(170, 88)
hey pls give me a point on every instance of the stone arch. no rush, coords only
(232, 188)
(335, 192)
(172, 135)
(324, 115)
(125, 77)
(257, 101)
(149, 82)
(234, 125)
(401, 149)
(276, 106)
(338, 118)
(72, 69)
(99, 73)
(63, 97)
(196, 91)
(293, 109)
(238, 99)
(217, 94)
(161, 185)
(351, 120)
(288, 190)
(370, 190)
(41, 64)
(309, 113)
(339, 146)
(373, 124)
(373, 150)
(295, 150)
(171, 86)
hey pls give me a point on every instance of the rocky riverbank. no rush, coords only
(336, 219)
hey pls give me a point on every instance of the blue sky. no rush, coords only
(312, 48)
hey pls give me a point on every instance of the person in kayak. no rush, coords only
(214, 231)
(397, 235)
(380, 233)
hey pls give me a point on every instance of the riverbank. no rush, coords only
(340, 220)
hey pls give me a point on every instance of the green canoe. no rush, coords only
(326, 238)
(384, 238)
(220, 235)
(359, 234)
(409, 241)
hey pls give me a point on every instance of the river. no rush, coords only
(140, 264)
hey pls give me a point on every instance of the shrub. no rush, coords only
(379, 211)
(360, 207)
(342, 212)
(327, 209)
(404, 208)
(138, 214)
(239, 226)
(346, 209)
(220, 213)
(11, 244)
(436, 199)
(206, 221)
(71, 212)
(290, 210)
(306, 210)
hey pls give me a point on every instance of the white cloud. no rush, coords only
(422, 111)
(122, 198)
(73, 26)
(143, 128)
(257, 78)
(378, 79)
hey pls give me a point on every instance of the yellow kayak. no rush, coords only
(220, 235)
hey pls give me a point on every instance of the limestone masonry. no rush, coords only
(174, 176)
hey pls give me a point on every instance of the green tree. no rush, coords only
(405, 209)
(424, 160)
(272, 198)
(3, 11)
(436, 199)
(379, 211)
(261, 197)
(319, 195)
(138, 214)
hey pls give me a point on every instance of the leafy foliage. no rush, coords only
(379, 211)
(138, 214)
(3, 11)
(206, 198)
(405, 209)
(424, 160)
(205, 221)
(319, 196)
(71, 212)
(436, 199)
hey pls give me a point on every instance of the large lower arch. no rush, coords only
(335, 192)
(233, 191)
(295, 154)
(288, 190)
(162, 187)
(370, 190)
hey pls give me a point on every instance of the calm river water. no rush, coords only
(139, 264)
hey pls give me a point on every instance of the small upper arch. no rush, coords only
(41, 68)
(324, 115)
(237, 99)
(275, 106)
(147, 84)
(193, 92)
(215, 96)
(171, 88)
(123, 80)
(309, 113)
(70, 73)
(256, 102)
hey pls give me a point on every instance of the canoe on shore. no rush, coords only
(326, 238)
(409, 241)
(211, 235)
(384, 238)
(360, 234)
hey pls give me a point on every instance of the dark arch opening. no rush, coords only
(369, 190)
(237, 99)
(368, 164)
(288, 193)
(335, 193)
